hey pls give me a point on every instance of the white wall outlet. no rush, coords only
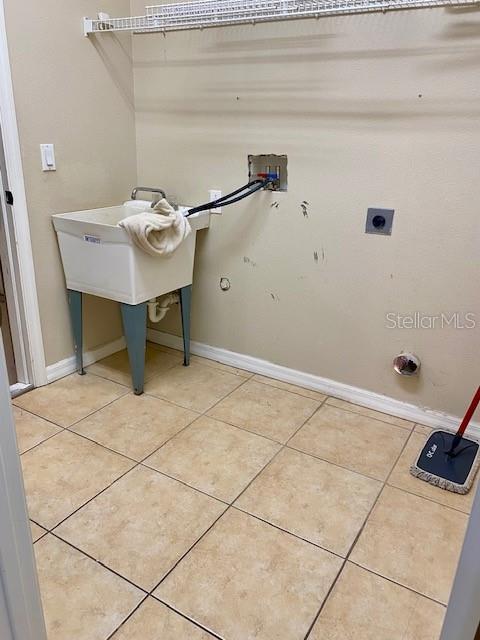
(47, 152)
(214, 194)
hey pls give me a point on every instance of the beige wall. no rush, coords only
(372, 110)
(77, 93)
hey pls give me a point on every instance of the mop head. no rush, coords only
(451, 472)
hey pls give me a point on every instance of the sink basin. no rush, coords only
(101, 259)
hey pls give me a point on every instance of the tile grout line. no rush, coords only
(334, 464)
(282, 447)
(432, 500)
(398, 584)
(223, 368)
(197, 417)
(327, 596)
(261, 435)
(296, 393)
(142, 461)
(182, 615)
(148, 394)
(204, 413)
(69, 427)
(109, 637)
(32, 413)
(119, 453)
(101, 564)
(255, 433)
(185, 617)
(185, 484)
(99, 444)
(384, 484)
(88, 415)
(357, 537)
(45, 532)
(290, 533)
(92, 498)
(359, 413)
(35, 522)
(62, 429)
(184, 555)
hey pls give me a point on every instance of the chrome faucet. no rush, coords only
(152, 190)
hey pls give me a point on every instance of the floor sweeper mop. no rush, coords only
(448, 460)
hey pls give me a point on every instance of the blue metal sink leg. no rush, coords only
(134, 317)
(75, 307)
(185, 305)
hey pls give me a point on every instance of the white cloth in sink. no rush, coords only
(158, 231)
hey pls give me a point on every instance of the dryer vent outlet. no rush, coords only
(269, 163)
(379, 221)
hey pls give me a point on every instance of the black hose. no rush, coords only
(224, 201)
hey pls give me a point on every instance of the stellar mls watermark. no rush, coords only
(418, 320)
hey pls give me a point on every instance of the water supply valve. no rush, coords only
(271, 166)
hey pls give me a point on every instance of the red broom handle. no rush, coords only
(470, 411)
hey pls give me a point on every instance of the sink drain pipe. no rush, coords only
(158, 309)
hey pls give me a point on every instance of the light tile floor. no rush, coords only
(225, 505)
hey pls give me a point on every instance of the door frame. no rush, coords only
(24, 312)
(20, 603)
(463, 612)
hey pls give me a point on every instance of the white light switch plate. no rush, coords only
(47, 152)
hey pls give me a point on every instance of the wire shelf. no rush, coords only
(201, 14)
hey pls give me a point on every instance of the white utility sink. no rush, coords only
(101, 259)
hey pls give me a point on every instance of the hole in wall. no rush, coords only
(224, 284)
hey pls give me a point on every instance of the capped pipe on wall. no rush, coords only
(406, 364)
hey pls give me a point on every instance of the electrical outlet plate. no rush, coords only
(269, 163)
(214, 194)
(379, 221)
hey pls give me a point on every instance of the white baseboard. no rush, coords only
(67, 366)
(376, 401)
(18, 388)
